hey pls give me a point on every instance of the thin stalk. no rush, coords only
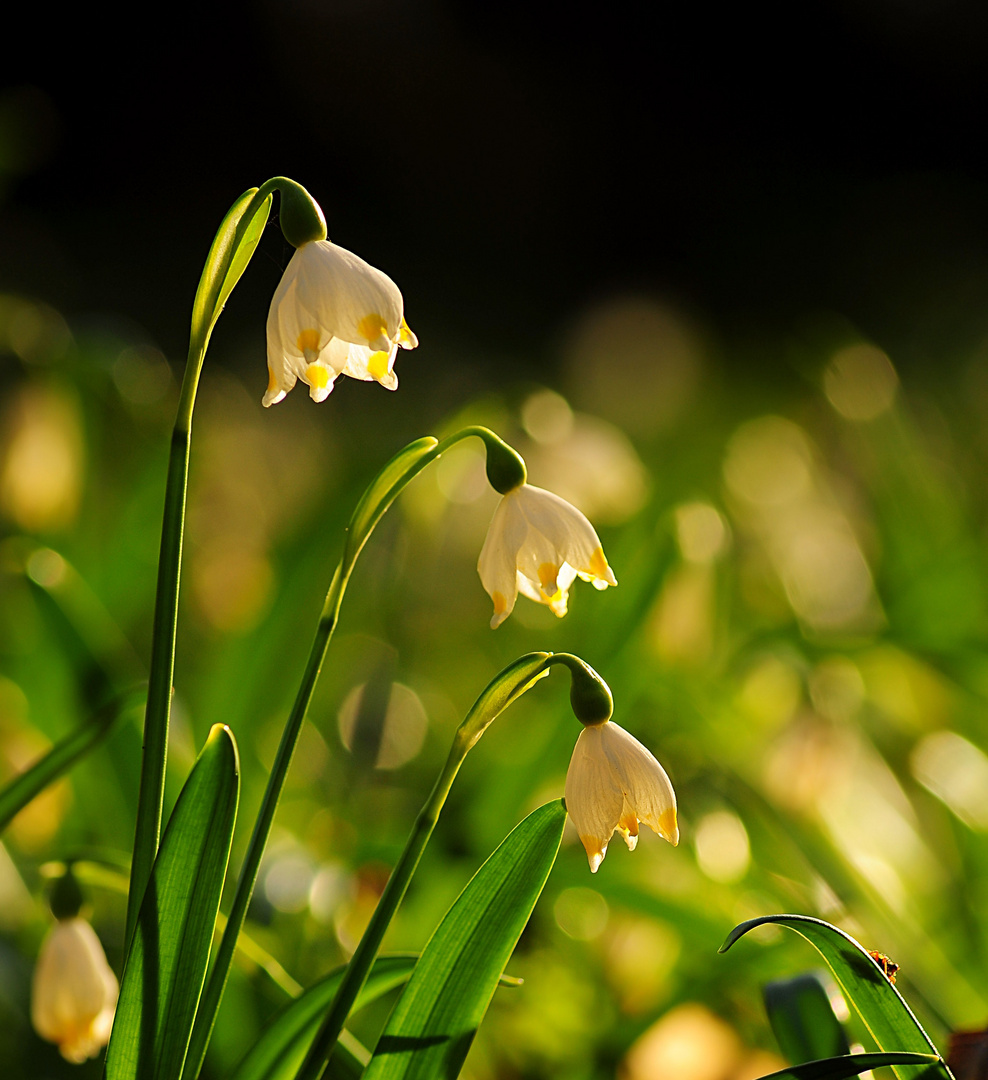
(162, 665)
(366, 952)
(505, 688)
(213, 992)
(164, 628)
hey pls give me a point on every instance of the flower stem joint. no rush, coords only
(300, 216)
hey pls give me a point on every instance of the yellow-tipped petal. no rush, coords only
(377, 365)
(668, 826)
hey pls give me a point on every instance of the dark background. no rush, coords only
(509, 164)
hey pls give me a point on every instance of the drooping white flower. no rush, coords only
(613, 783)
(333, 314)
(539, 544)
(74, 992)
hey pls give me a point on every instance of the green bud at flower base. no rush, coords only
(66, 897)
(300, 216)
(589, 695)
(505, 466)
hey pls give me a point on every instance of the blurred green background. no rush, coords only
(725, 296)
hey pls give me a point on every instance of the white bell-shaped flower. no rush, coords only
(333, 314)
(74, 992)
(538, 544)
(613, 783)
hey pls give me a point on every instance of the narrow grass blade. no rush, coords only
(839, 1068)
(434, 1022)
(887, 1017)
(63, 755)
(163, 978)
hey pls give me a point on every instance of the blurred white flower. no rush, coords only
(74, 992)
(613, 783)
(333, 314)
(539, 544)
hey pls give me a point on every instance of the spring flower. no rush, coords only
(613, 782)
(539, 544)
(74, 992)
(333, 314)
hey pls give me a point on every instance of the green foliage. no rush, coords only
(280, 1050)
(20, 791)
(436, 1018)
(803, 1020)
(838, 1068)
(887, 1017)
(167, 963)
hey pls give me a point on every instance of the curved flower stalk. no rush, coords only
(538, 544)
(333, 314)
(614, 783)
(74, 992)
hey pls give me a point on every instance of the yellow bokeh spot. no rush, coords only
(668, 829)
(372, 327)
(318, 376)
(598, 563)
(547, 578)
(377, 365)
(500, 604)
(308, 341)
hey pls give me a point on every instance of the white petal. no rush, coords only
(496, 564)
(343, 291)
(644, 782)
(593, 797)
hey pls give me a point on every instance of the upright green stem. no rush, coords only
(162, 666)
(213, 993)
(220, 275)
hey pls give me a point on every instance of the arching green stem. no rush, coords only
(506, 687)
(379, 495)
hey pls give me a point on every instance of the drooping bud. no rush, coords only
(66, 897)
(505, 466)
(300, 216)
(589, 695)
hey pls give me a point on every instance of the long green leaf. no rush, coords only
(63, 755)
(434, 1022)
(804, 1022)
(282, 1046)
(838, 1068)
(163, 978)
(887, 1017)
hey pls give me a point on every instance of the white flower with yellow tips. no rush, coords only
(333, 314)
(538, 544)
(613, 783)
(74, 992)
